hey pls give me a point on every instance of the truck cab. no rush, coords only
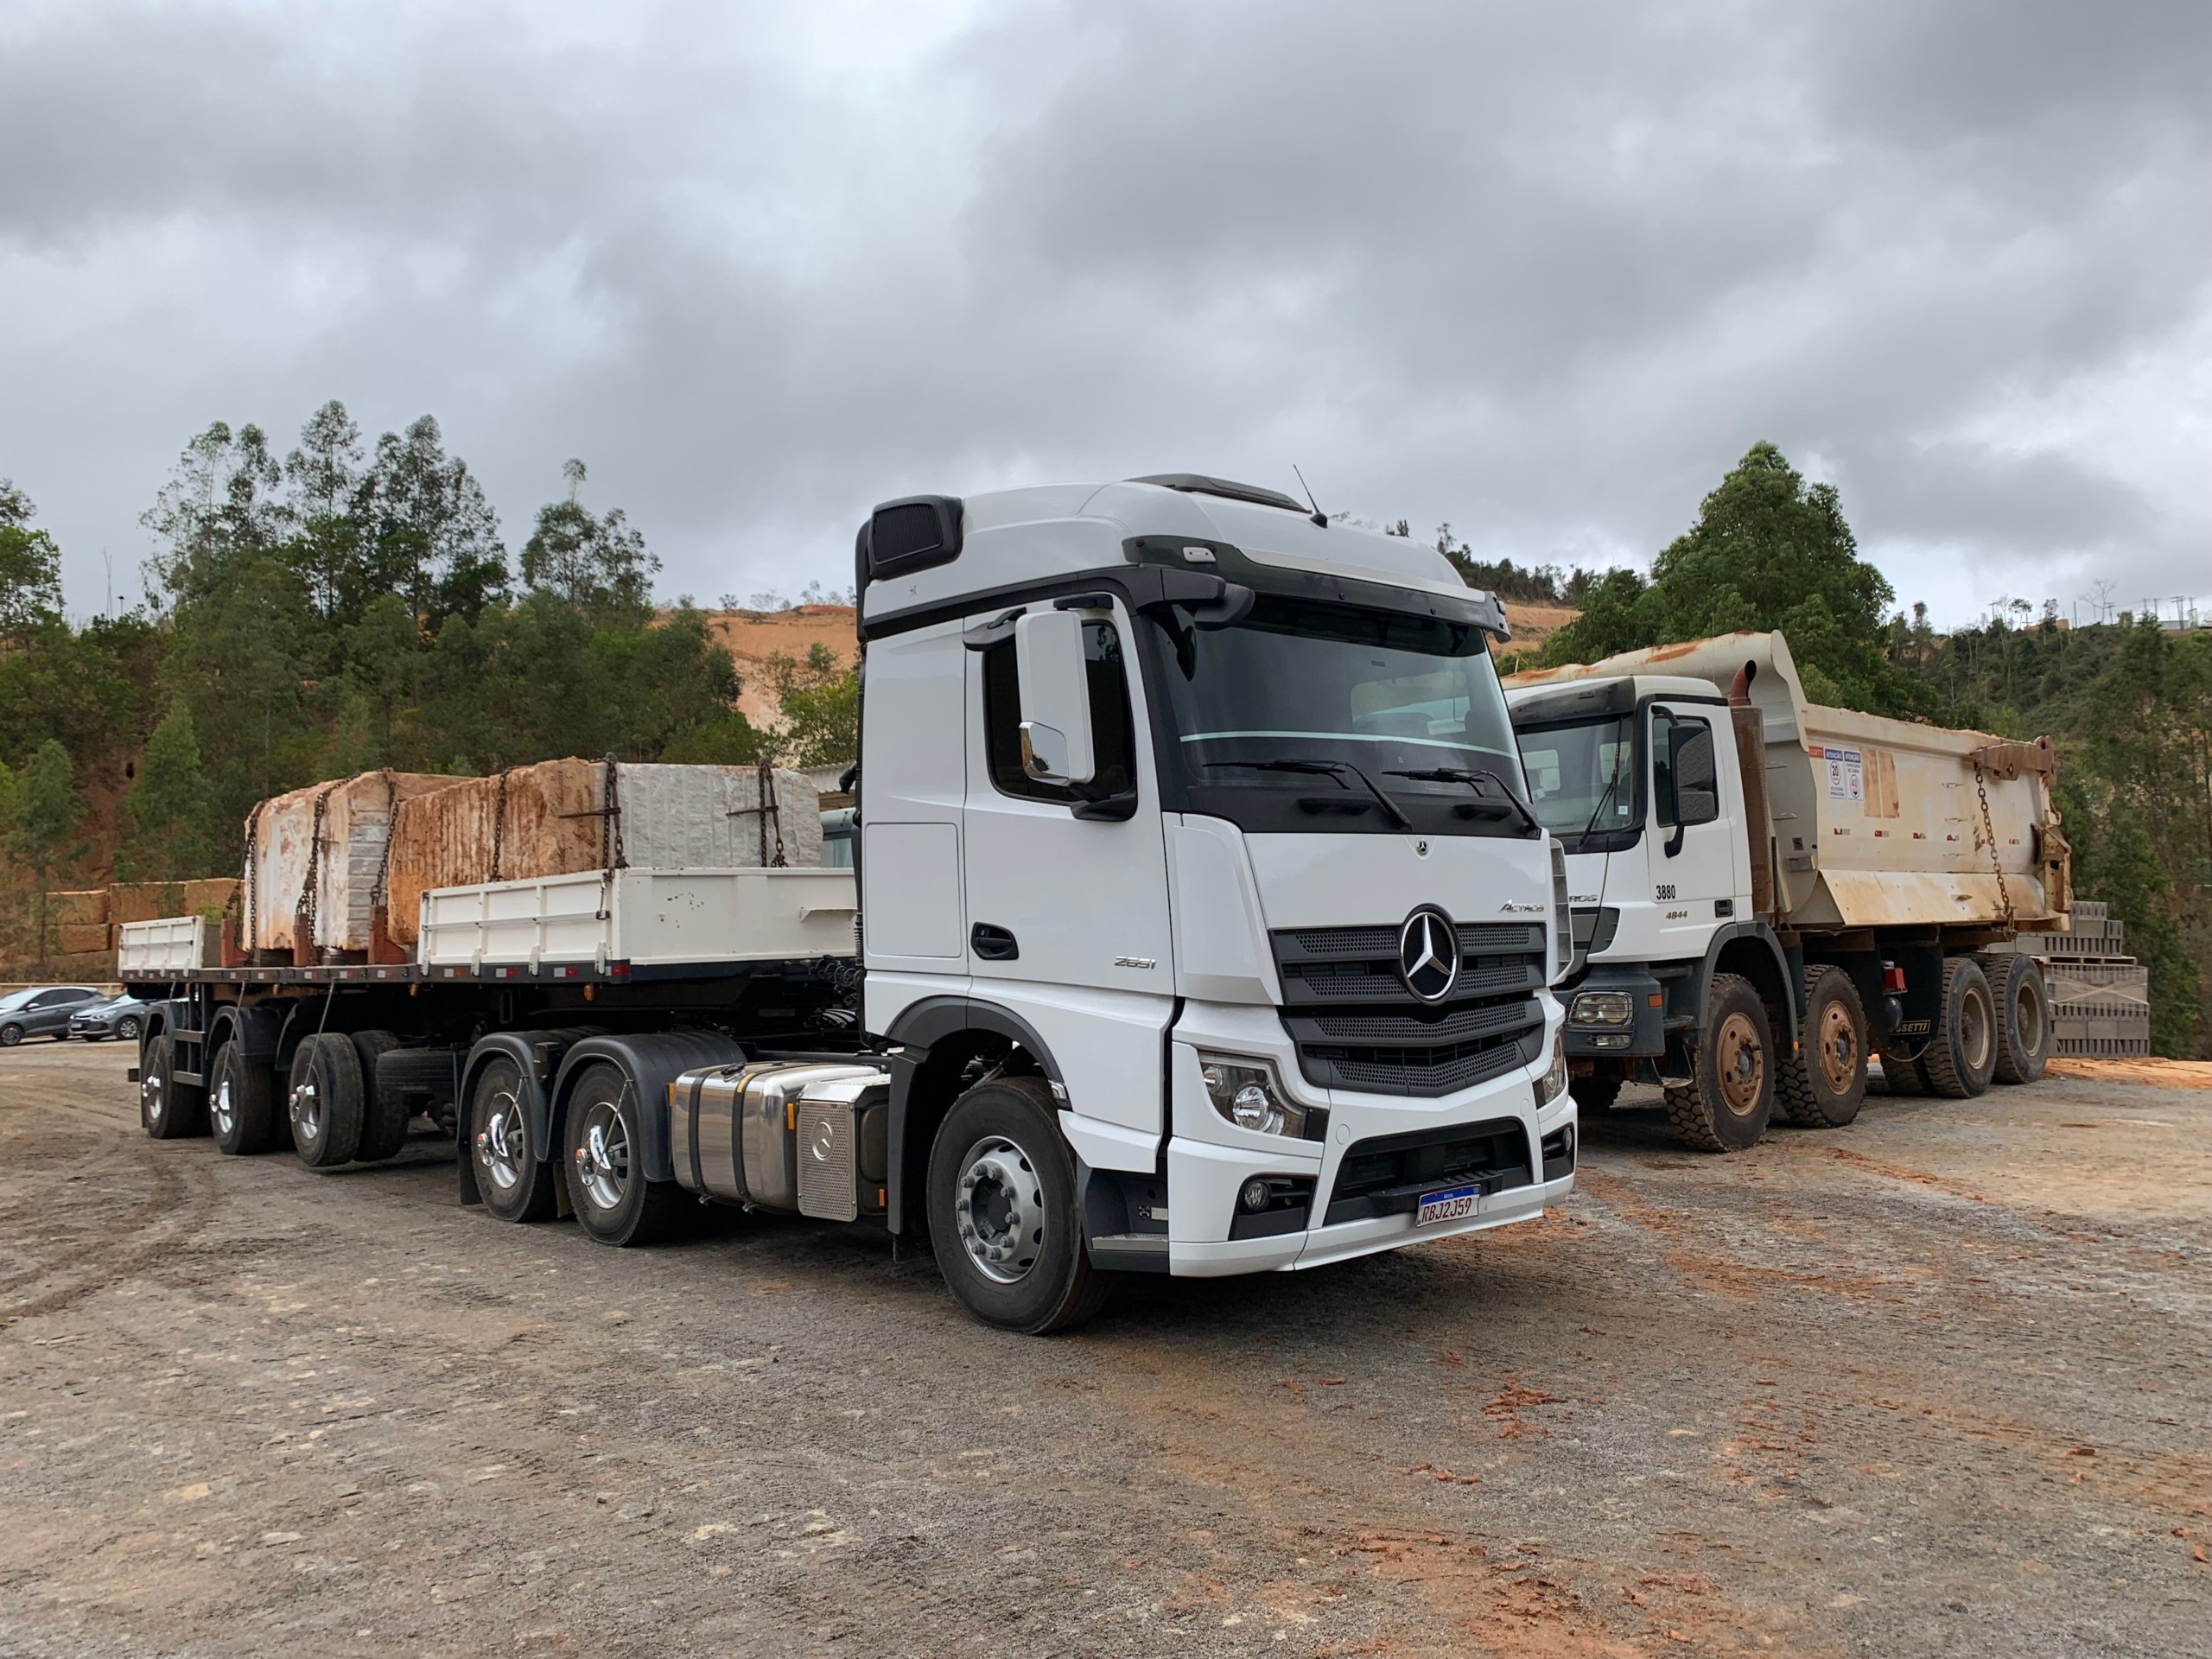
(1195, 855)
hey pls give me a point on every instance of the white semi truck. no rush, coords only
(1204, 929)
(1766, 892)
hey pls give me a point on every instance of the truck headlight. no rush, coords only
(1602, 1008)
(1244, 1091)
(1553, 1083)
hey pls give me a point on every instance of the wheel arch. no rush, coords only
(932, 1043)
(1750, 950)
(652, 1061)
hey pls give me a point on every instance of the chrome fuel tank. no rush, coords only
(733, 1129)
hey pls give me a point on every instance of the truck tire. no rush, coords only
(1901, 1076)
(1594, 1094)
(384, 1111)
(2023, 1003)
(1727, 1106)
(326, 1101)
(1826, 1084)
(605, 1162)
(162, 1109)
(1961, 1056)
(1003, 1211)
(516, 1182)
(241, 1103)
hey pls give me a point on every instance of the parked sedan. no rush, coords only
(42, 1011)
(123, 1016)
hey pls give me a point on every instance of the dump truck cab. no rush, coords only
(1766, 892)
(1202, 820)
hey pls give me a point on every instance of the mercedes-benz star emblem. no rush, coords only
(1429, 954)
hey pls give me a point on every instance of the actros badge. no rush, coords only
(1429, 954)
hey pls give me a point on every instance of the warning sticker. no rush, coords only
(1847, 774)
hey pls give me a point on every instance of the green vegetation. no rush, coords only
(341, 606)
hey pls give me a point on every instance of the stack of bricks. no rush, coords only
(2100, 995)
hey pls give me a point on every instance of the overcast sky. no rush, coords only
(1543, 271)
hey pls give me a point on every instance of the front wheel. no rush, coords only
(1003, 1211)
(605, 1163)
(10, 1035)
(1727, 1104)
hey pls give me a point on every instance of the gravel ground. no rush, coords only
(1938, 1383)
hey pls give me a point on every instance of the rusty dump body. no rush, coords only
(562, 817)
(1873, 822)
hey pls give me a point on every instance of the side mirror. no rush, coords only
(1055, 690)
(1670, 810)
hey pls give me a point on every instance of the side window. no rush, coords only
(1112, 738)
(1687, 753)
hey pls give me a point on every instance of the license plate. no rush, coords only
(1453, 1204)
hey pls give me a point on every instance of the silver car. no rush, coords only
(121, 1016)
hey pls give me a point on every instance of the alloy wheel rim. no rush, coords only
(219, 1107)
(500, 1145)
(1838, 1047)
(1739, 1064)
(999, 1208)
(603, 1155)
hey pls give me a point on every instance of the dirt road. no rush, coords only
(1937, 1383)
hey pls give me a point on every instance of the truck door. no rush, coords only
(1068, 915)
(1694, 831)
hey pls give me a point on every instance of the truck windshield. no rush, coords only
(1311, 681)
(1582, 779)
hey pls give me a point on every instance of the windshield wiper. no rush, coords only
(1335, 769)
(1475, 780)
(1604, 800)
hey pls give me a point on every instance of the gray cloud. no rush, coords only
(1544, 273)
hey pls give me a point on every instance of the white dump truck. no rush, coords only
(1765, 892)
(1203, 928)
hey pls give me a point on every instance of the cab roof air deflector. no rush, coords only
(1227, 488)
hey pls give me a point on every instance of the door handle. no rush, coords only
(993, 943)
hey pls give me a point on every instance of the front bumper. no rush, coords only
(1208, 1160)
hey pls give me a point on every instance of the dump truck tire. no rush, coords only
(1824, 1086)
(1727, 1107)
(2021, 999)
(1594, 1094)
(1961, 1056)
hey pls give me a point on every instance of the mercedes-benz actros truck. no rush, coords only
(1204, 927)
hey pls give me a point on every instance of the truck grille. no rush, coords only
(1387, 1175)
(1357, 1026)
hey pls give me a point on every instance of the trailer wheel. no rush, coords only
(2023, 1005)
(384, 1111)
(515, 1183)
(241, 1103)
(161, 1109)
(604, 1166)
(1727, 1106)
(1003, 1211)
(325, 1101)
(1826, 1084)
(1961, 1058)
(1594, 1094)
